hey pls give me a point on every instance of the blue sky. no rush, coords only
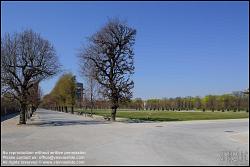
(182, 48)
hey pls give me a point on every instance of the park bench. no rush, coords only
(80, 112)
(106, 117)
(89, 114)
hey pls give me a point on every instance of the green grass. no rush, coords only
(172, 116)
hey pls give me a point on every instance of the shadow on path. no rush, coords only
(67, 123)
(9, 116)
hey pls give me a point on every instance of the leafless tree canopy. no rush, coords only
(110, 51)
(26, 58)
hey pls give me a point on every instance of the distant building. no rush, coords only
(246, 91)
(144, 105)
(79, 94)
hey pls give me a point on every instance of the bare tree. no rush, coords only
(35, 96)
(26, 58)
(110, 50)
(92, 88)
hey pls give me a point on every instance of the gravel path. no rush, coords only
(209, 142)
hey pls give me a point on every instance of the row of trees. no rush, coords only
(63, 94)
(10, 105)
(26, 60)
(236, 101)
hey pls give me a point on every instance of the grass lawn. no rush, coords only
(172, 116)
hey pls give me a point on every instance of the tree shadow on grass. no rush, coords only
(150, 120)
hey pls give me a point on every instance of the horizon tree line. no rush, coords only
(235, 101)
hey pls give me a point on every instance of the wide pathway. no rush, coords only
(213, 142)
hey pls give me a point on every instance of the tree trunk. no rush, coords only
(33, 110)
(113, 112)
(91, 97)
(22, 119)
(91, 110)
(29, 113)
